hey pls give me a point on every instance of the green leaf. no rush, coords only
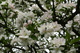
(32, 28)
(33, 37)
(75, 40)
(68, 36)
(0, 2)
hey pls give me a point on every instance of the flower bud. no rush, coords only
(29, 22)
(25, 24)
(11, 6)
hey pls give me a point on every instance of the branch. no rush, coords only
(39, 5)
(30, 1)
(7, 29)
(10, 46)
(30, 48)
(71, 17)
(78, 5)
(2, 17)
(34, 48)
(63, 22)
(4, 26)
(54, 13)
(75, 31)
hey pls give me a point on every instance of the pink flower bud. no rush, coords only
(29, 22)
(25, 24)
(11, 6)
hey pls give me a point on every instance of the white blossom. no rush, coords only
(3, 3)
(15, 40)
(69, 24)
(34, 7)
(46, 15)
(56, 51)
(29, 15)
(20, 18)
(10, 4)
(58, 41)
(72, 33)
(66, 5)
(47, 50)
(24, 33)
(77, 19)
(42, 1)
(49, 27)
(72, 50)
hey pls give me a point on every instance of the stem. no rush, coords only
(71, 17)
(39, 5)
(54, 14)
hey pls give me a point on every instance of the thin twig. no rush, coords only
(39, 5)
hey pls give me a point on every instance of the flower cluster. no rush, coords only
(37, 28)
(49, 27)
